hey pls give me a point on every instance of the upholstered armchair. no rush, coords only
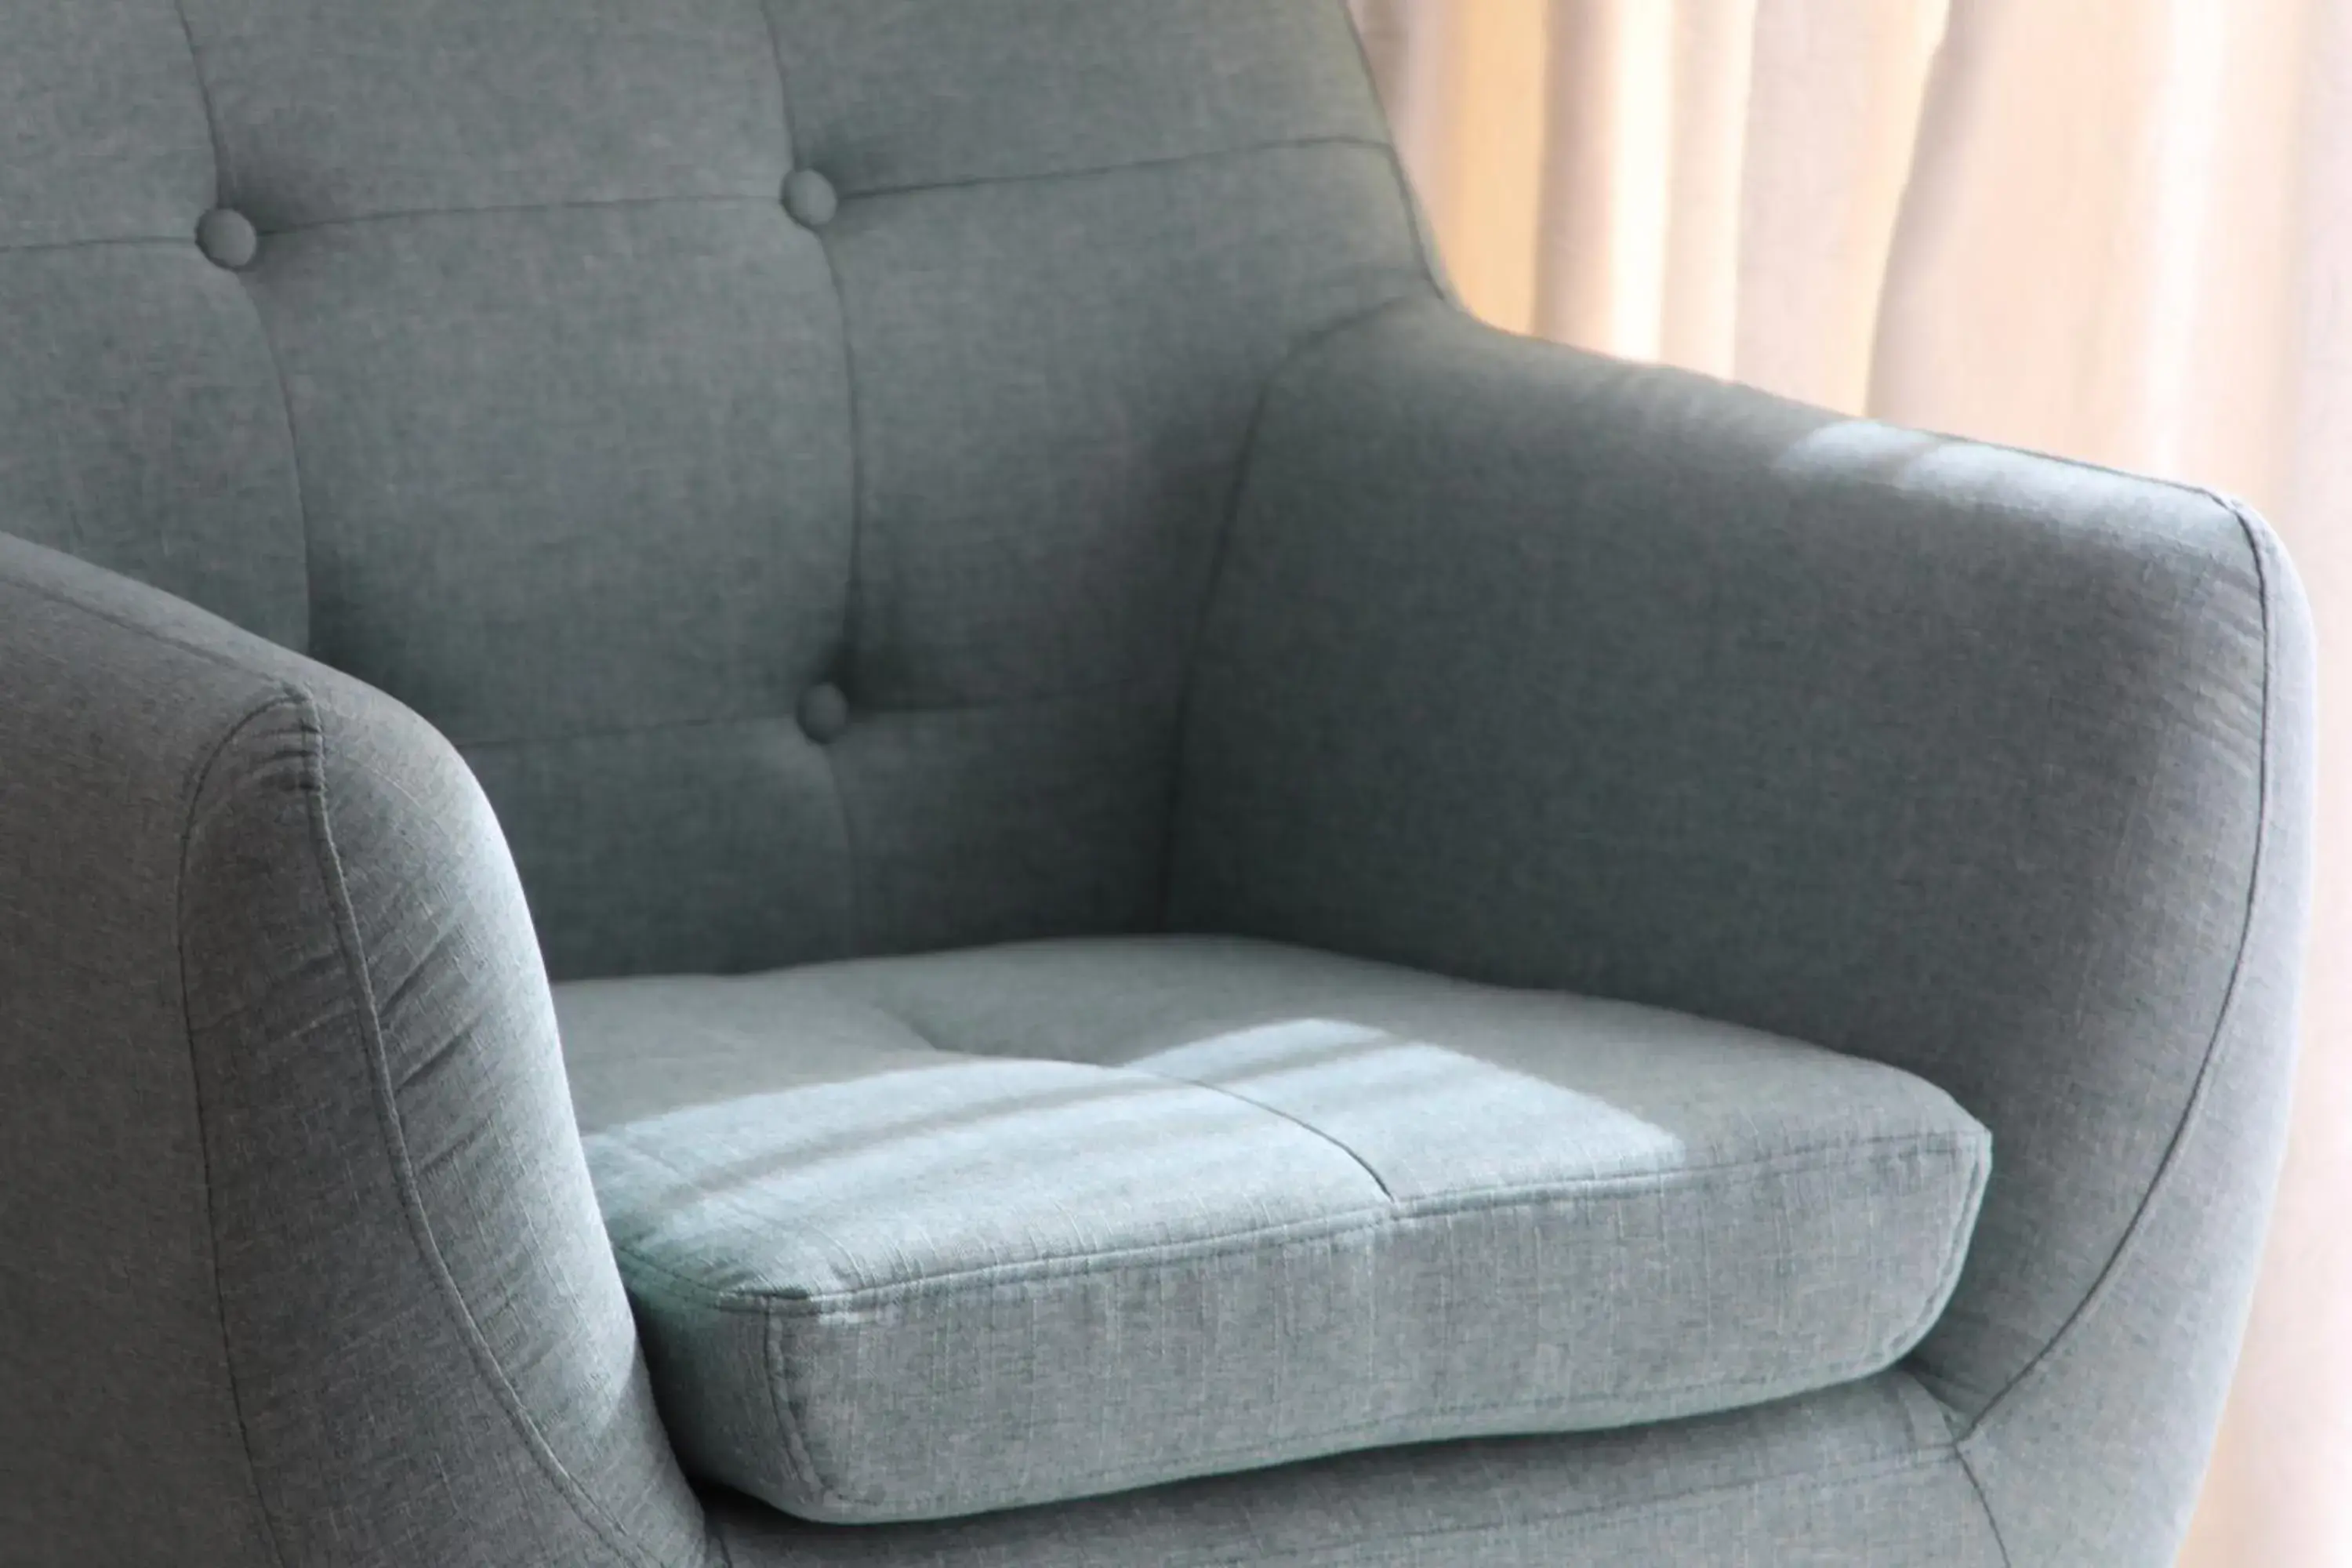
(834, 783)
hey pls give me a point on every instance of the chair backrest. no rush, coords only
(784, 447)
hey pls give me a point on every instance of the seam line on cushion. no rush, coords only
(2193, 1113)
(411, 1199)
(788, 1431)
(1220, 550)
(845, 636)
(1454, 1206)
(205, 98)
(261, 321)
(294, 462)
(892, 1016)
(870, 710)
(2228, 502)
(138, 629)
(1969, 1468)
(1096, 171)
(1956, 1256)
(101, 241)
(487, 209)
(281, 697)
(1366, 1165)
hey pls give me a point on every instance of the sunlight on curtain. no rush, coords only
(2118, 230)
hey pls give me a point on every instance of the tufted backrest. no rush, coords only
(785, 447)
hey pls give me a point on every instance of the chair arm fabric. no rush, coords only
(1542, 669)
(298, 1256)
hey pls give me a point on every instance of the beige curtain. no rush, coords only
(2120, 230)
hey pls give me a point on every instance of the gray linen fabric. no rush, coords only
(922, 1236)
(603, 448)
(104, 136)
(1089, 520)
(1016, 89)
(301, 1263)
(1863, 1473)
(1987, 767)
(149, 437)
(606, 458)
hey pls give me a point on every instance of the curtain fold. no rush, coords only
(2116, 229)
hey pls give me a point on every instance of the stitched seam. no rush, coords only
(294, 461)
(136, 628)
(487, 209)
(1948, 1278)
(1096, 171)
(801, 1472)
(797, 1458)
(594, 203)
(39, 246)
(281, 697)
(221, 182)
(869, 711)
(800, 1465)
(846, 636)
(1366, 1165)
(2086, 465)
(348, 940)
(1969, 1468)
(204, 96)
(617, 732)
(1220, 550)
(2215, 1045)
(910, 1025)
(1952, 1148)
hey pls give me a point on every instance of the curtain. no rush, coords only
(2118, 230)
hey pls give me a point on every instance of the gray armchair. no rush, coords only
(1199, 913)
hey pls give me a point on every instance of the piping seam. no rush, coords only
(2193, 1113)
(412, 1201)
(97, 242)
(282, 696)
(1220, 552)
(1969, 1468)
(846, 638)
(1368, 1220)
(1274, 1110)
(1129, 166)
(261, 322)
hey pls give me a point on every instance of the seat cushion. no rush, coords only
(922, 1236)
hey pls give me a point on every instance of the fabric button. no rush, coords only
(809, 197)
(824, 713)
(227, 239)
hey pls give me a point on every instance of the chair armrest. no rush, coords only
(299, 1258)
(1537, 668)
